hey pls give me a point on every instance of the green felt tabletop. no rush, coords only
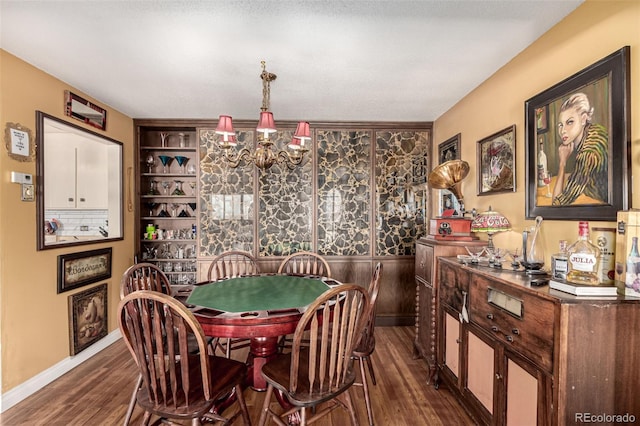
(257, 293)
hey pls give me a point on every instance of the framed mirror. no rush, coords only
(81, 109)
(79, 185)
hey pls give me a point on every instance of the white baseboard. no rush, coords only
(34, 384)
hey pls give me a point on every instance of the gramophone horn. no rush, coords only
(449, 175)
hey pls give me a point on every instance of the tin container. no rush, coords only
(626, 265)
(605, 239)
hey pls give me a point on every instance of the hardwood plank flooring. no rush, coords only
(98, 392)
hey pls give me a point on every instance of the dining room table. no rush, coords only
(261, 308)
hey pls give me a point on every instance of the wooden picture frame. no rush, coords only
(449, 149)
(495, 156)
(595, 100)
(81, 109)
(79, 269)
(88, 320)
(19, 142)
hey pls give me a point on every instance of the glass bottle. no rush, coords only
(560, 262)
(584, 258)
(633, 261)
(542, 166)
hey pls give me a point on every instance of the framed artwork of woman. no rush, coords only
(578, 162)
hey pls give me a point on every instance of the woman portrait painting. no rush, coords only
(582, 155)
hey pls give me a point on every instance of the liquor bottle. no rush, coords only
(584, 258)
(560, 262)
(542, 166)
(633, 262)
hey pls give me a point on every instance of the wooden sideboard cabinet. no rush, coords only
(427, 253)
(520, 355)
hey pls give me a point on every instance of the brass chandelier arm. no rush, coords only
(264, 157)
(234, 160)
(291, 159)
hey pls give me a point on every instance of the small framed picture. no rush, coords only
(449, 149)
(87, 318)
(79, 269)
(19, 142)
(496, 164)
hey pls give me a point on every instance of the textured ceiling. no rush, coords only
(335, 60)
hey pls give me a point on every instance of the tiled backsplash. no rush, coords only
(79, 222)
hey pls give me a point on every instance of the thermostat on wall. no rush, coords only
(17, 177)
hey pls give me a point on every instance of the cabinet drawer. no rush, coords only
(519, 320)
(424, 262)
(453, 285)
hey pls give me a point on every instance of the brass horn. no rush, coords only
(449, 175)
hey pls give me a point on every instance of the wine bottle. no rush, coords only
(542, 166)
(584, 258)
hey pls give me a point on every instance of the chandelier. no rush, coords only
(265, 154)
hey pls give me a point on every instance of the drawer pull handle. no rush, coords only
(498, 376)
(458, 341)
(509, 338)
(515, 331)
(490, 316)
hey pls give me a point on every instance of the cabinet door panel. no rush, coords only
(480, 370)
(91, 174)
(452, 344)
(522, 396)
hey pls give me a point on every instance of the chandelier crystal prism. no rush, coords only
(265, 154)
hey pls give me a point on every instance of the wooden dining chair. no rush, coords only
(321, 370)
(176, 383)
(141, 276)
(302, 262)
(305, 262)
(147, 276)
(232, 264)
(367, 344)
(144, 276)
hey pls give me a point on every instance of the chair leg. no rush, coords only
(132, 403)
(352, 411)
(365, 388)
(373, 375)
(265, 406)
(243, 405)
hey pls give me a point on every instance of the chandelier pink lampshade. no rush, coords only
(225, 128)
(266, 124)
(302, 132)
(295, 143)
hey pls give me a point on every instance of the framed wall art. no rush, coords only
(81, 109)
(79, 269)
(449, 149)
(87, 318)
(19, 142)
(577, 166)
(496, 162)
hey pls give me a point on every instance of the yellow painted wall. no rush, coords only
(593, 31)
(34, 321)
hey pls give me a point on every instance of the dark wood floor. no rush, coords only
(98, 391)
